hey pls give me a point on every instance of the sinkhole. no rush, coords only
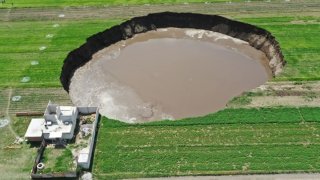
(170, 66)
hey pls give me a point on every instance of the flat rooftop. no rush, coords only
(35, 128)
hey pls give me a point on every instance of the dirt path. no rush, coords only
(239, 9)
(295, 94)
(9, 101)
(244, 177)
(8, 115)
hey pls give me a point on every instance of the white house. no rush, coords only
(58, 123)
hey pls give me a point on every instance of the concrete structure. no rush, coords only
(85, 155)
(34, 131)
(58, 123)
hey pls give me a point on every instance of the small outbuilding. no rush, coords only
(58, 124)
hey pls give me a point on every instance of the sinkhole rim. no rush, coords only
(257, 37)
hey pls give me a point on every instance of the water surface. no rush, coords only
(168, 74)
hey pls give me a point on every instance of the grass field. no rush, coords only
(17, 159)
(20, 43)
(299, 42)
(229, 142)
(58, 160)
(232, 141)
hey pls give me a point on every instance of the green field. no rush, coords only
(232, 141)
(267, 139)
(58, 160)
(20, 43)
(299, 43)
(17, 158)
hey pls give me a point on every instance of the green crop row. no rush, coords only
(228, 142)
(239, 116)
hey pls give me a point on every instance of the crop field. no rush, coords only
(20, 44)
(273, 130)
(299, 42)
(229, 142)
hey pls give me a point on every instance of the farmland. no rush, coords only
(255, 141)
(251, 136)
(26, 39)
(20, 42)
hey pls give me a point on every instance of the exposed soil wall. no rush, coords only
(255, 36)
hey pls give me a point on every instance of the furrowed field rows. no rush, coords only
(240, 116)
(36, 100)
(4, 93)
(32, 99)
(217, 135)
(228, 142)
(179, 149)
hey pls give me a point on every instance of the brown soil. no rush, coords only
(168, 73)
(293, 94)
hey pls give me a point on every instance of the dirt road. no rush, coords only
(239, 9)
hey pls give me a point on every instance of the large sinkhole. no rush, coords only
(170, 66)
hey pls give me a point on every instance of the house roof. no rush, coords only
(54, 126)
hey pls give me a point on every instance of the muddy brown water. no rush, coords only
(168, 74)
